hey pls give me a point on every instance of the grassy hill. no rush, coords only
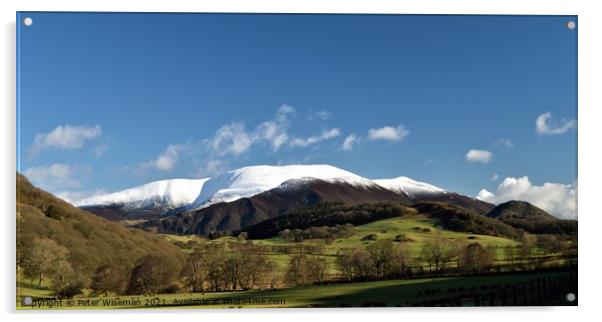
(327, 232)
(461, 291)
(90, 241)
(415, 230)
(447, 216)
(532, 219)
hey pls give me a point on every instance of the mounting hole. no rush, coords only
(571, 297)
(28, 21)
(27, 301)
(571, 25)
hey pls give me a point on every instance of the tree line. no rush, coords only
(243, 265)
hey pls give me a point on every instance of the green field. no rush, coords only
(379, 293)
(416, 231)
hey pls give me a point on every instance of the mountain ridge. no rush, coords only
(153, 200)
(245, 195)
(237, 214)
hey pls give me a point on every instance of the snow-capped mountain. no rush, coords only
(160, 198)
(249, 181)
(165, 193)
(410, 187)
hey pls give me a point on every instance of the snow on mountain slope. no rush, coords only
(249, 181)
(164, 193)
(241, 183)
(409, 186)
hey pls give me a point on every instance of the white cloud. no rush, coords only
(504, 142)
(558, 199)
(231, 139)
(319, 116)
(349, 142)
(168, 158)
(481, 156)
(234, 139)
(485, 195)
(275, 132)
(73, 197)
(284, 111)
(55, 176)
(325, 135)
(211, 168)
(388, 133)
(65, 137)
(495, 177)
(544, 127)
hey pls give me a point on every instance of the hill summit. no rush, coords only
(524, 215)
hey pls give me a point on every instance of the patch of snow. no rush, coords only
(249, 181)
(166, 193)
(409, 186)
(242, 183)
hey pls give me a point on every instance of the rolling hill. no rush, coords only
(91, 241)
(524, 215)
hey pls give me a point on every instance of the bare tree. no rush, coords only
(355, 264)
(400, 260)
(474, 258)
(43, 255)
(194, 272)
(108, 279)
(152, 274)
(438, 252)
(381, 255)
(305, 269)
(65, 283)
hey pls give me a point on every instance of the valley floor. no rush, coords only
(537, 288)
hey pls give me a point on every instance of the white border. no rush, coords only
(590, 161)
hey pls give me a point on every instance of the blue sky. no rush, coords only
(110, 101)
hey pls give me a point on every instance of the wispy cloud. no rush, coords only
(65, 137)
(558, 199)
(543, 125)
(319, 116)
(211, 167)
(503, 142)
(349, 142)
(234, 139)
(325, 135)
(231, 139)
(167, 160)
(388, 133)
(275, 131)
(479, 156)
(99, 150)
(495, 177)
(56, 176)
(73, 197)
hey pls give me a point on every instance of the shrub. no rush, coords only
(370, 237)
(108, 279)
(151, 274)
(53, 212)
(400, 238)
